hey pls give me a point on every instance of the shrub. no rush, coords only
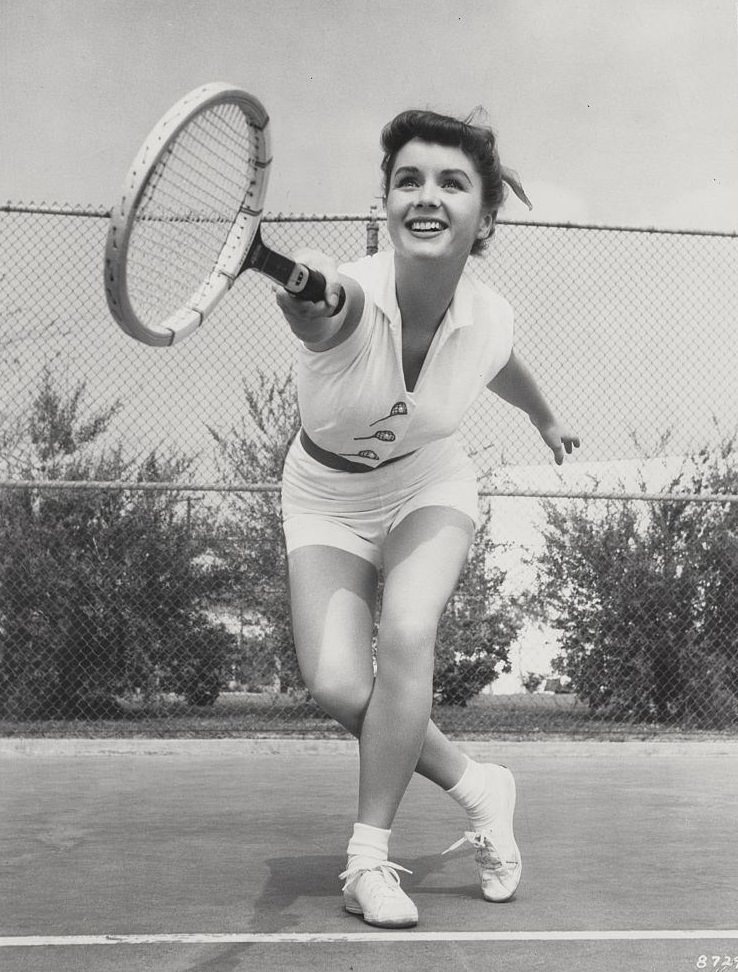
(646, 599)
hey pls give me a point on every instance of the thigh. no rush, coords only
(333, 598)
(423, 558)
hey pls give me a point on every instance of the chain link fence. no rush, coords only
(142, 573)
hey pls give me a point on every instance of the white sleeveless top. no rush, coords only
(353, 400)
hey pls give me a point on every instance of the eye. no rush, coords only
(451, 182)
(406, 181)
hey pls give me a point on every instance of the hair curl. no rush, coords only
(478, 142)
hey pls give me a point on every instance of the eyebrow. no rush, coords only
(414, 170)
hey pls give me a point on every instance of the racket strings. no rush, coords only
(206, 169)
(202, 178)
(200, 170)
(208, 137)
(188, 207)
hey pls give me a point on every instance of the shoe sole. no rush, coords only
(501, 900)
(355, 909)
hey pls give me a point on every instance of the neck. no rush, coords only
(425, 290)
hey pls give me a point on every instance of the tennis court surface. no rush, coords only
(223, 855)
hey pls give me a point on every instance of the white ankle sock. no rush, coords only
(369, 842)
(472, 792)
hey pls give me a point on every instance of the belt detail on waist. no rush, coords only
(334, 461)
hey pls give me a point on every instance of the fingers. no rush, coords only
(294, 308)
(325, 266)
(333, 295)
(563, 444)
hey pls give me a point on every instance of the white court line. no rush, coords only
(26, 941)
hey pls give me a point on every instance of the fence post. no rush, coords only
(372, 232)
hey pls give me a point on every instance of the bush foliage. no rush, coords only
(645, 597)
(102, 593)
(109, 595)
(476, 630)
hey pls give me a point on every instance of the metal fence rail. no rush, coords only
(141, 565)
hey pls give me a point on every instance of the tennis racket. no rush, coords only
(187, 222)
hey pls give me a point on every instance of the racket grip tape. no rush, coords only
(314, 290)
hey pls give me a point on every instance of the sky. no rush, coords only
(614, 112)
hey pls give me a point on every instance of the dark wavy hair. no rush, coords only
(478, 142)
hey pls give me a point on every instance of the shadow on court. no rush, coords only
(224, 855)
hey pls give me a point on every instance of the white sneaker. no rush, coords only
(496, 854)
(372, 890)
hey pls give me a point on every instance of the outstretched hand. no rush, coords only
(559, 440)
(312, 321)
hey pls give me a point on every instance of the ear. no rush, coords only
(486, 222)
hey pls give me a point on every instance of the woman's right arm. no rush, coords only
(318, 325)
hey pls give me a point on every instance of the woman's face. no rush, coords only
(434, 202)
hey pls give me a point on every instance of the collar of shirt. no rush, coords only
(458, 315)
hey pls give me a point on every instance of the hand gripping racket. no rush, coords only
(187, 223)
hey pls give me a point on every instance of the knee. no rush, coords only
(343, 700)
(406, 649)
(412, 634)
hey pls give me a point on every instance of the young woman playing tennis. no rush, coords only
(377, 478)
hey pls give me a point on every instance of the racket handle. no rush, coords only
(314, 290)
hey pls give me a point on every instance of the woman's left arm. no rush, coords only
(516, 385)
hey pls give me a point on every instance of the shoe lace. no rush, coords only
(386, 869)
(486, 853)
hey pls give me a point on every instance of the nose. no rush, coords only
(428, 194)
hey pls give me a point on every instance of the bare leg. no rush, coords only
(423, 557)
(333, 597)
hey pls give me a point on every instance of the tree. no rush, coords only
(646, 599)
(476, 629)
(252, 544)
(101, 592)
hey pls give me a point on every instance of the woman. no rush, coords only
(378, 479)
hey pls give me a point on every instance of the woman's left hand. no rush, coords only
(559, 440)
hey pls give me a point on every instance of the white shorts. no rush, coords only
(355, 511)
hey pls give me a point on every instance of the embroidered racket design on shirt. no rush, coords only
(384, 435)
(399, 408)
(364, 454)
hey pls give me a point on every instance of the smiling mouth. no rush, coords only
(425, 226)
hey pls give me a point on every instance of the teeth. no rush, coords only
(426, 225)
